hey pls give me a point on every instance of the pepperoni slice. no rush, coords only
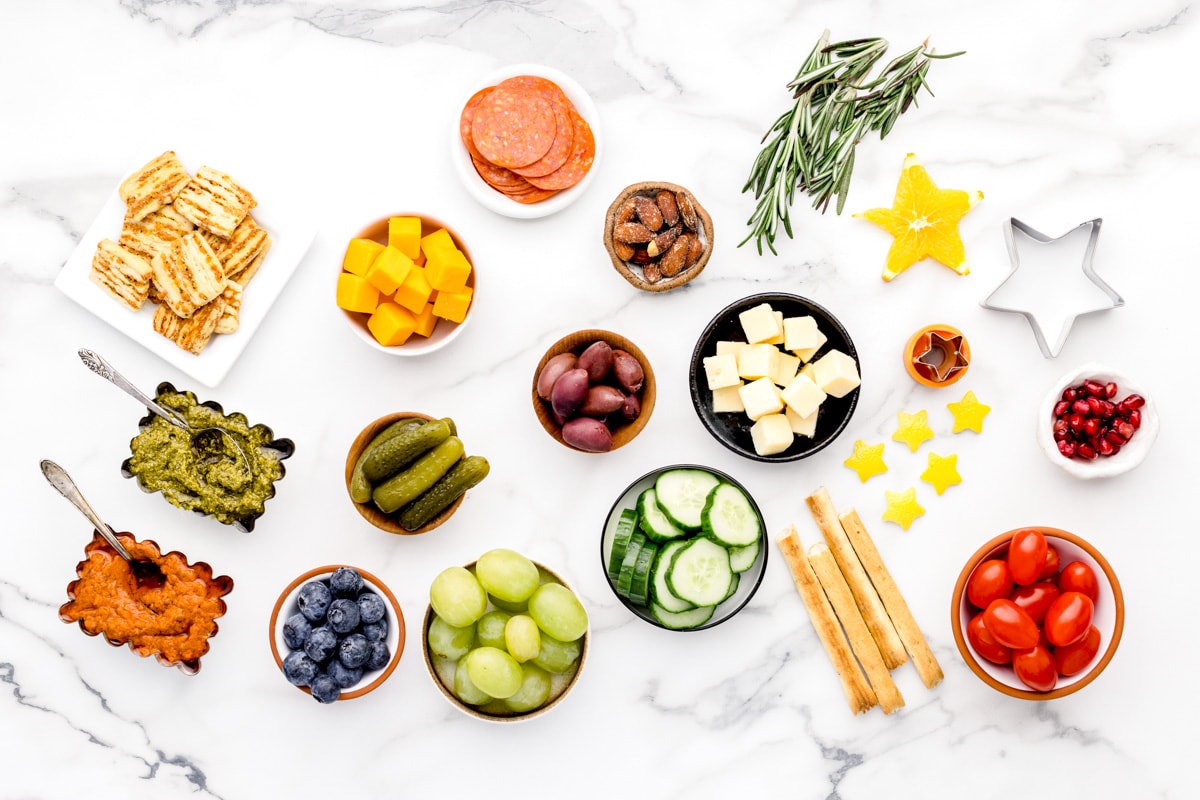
(497, 177)
(513, 126)
(467, 119)
(582, 155)
(563, 145)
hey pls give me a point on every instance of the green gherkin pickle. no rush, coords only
(360, 487)
(462, 476)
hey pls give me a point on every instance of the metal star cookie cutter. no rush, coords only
(1114, 300)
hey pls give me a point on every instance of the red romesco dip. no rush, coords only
(172, 622)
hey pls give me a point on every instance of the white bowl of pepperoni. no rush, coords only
(526, 140)
(1037, 633)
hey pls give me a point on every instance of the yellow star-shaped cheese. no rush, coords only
(902, 508)
(942, 473)
(968, 413)
(924, 221)
(914, 429)
(867, 460)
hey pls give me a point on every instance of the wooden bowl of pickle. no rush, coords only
(657, 235)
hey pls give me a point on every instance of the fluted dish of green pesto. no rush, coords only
(204, 472)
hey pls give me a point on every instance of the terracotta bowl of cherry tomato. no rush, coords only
(1037, 613)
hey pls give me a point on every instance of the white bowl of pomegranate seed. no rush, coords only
(1097, 422)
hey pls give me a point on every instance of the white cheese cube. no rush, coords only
(807, 353)
(777, 338)
(836, 373)
(783, 368)
(761, 397)
(754, 361)
(803, 396)
(802, 426)
(807, 369)
(800, 333)
(771, 434)
(728, 399)
(759, 323)
(721, 371)
(729, 348)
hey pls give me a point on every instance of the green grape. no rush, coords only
(457, 597)
(494, 671)
(490, 628)
(522, 638)
(534, 691)
(450, 642)
(512, 608)
(507, 574)
(557, 656)
(558, 612)
(465, 690)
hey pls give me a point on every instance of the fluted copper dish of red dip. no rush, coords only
(172, 622)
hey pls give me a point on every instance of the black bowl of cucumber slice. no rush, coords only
(684, 547)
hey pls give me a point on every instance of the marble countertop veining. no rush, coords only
(1058, 112)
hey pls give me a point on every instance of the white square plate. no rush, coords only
(291, 235)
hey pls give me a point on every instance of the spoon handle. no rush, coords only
(61, 481)
(98, 365)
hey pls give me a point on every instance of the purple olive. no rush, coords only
(553, 370)
(597, 359)
(569, 392)
(631, 408)
(586, 433)
(601, 400)
(628, 370)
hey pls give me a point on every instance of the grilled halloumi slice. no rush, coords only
(241, 248)
(154, 185)
(194, 332)
(150, 235)
(214, 201)
(188, 274)
(124, 275)
(231, 301)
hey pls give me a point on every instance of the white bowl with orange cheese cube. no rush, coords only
(407, 284)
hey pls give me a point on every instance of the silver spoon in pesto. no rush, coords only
(146, 572)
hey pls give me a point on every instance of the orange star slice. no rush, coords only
(968, 413)
(923, 220)
(913, 429)
(867, 460)
(942, 472)
(902, 508)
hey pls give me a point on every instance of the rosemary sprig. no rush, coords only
(811, 146)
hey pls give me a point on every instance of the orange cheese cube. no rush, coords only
(438, 240)
(355, 294)
(389, 270)
(447, 269)
(404, 233)
(414, 293)
(391, 325)
(453, 305)
(360, 254)
(420, 259)
(426, 321)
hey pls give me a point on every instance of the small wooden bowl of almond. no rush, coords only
(657, 235)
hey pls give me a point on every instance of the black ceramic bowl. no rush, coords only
(732, 429)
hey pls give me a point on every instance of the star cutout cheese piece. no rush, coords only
(924, 221)
(914, 429)
(968, 413)
(867, 460)
(902, 508)
(942, 473)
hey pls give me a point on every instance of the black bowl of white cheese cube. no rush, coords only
(775, 377)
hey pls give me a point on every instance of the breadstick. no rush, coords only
(865, 597)
(858, 690)
(838, 592)
(922, 657)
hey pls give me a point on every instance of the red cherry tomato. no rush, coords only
(1010, 625)
(1074, 658)
(1026, 556)
(1035, 598)
(989, 581)
(1050, 571)
(1036, 668)
(1078, 577)
(1068, 618)
(984, 644)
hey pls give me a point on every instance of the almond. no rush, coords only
(632, 233)
(687, 210)
(624, 251)
(626, 211)
(648, 213)
(659, 244)
(667, 207)
(671, 263)
(651, 272)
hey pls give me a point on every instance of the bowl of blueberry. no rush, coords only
(337, 632)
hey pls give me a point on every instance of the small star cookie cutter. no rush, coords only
(1114, 300)
(937, 355)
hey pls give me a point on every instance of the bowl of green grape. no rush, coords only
(505, 638)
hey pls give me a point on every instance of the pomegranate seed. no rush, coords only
(1081, 407)
(1094, 406)
(1134, 418)
(1110, 390)
(1116, 449)
(1075, 421)
(1104, 447)
(1125, 431)
(1094, 388)
(1134, 401)
(1086, 451)
(1067, 449)
(1091, 426)
(1113, 437)
(1060, 426)
(1061, 407)
(1107, 410)
(1069, 394)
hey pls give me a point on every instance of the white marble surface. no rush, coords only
(1059, 113)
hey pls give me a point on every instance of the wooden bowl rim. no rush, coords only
(706, 226)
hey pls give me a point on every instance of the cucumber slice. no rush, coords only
(733, 587)
(729, 517)
(654, 522)
(639, 588)
(682, 620)
(625, 576)
(743, 558)
(626, 525)
(700, 573)
(660, 592)
(681, 494)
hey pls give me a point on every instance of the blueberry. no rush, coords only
(313, 600)
(371, 607)
(343, 676)
(343, 615)
(296, 630)
(345, 582)
(324, 689)
(299, 669)
(354, 650)
(380, 656)
(375, 631)
(320, 644)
